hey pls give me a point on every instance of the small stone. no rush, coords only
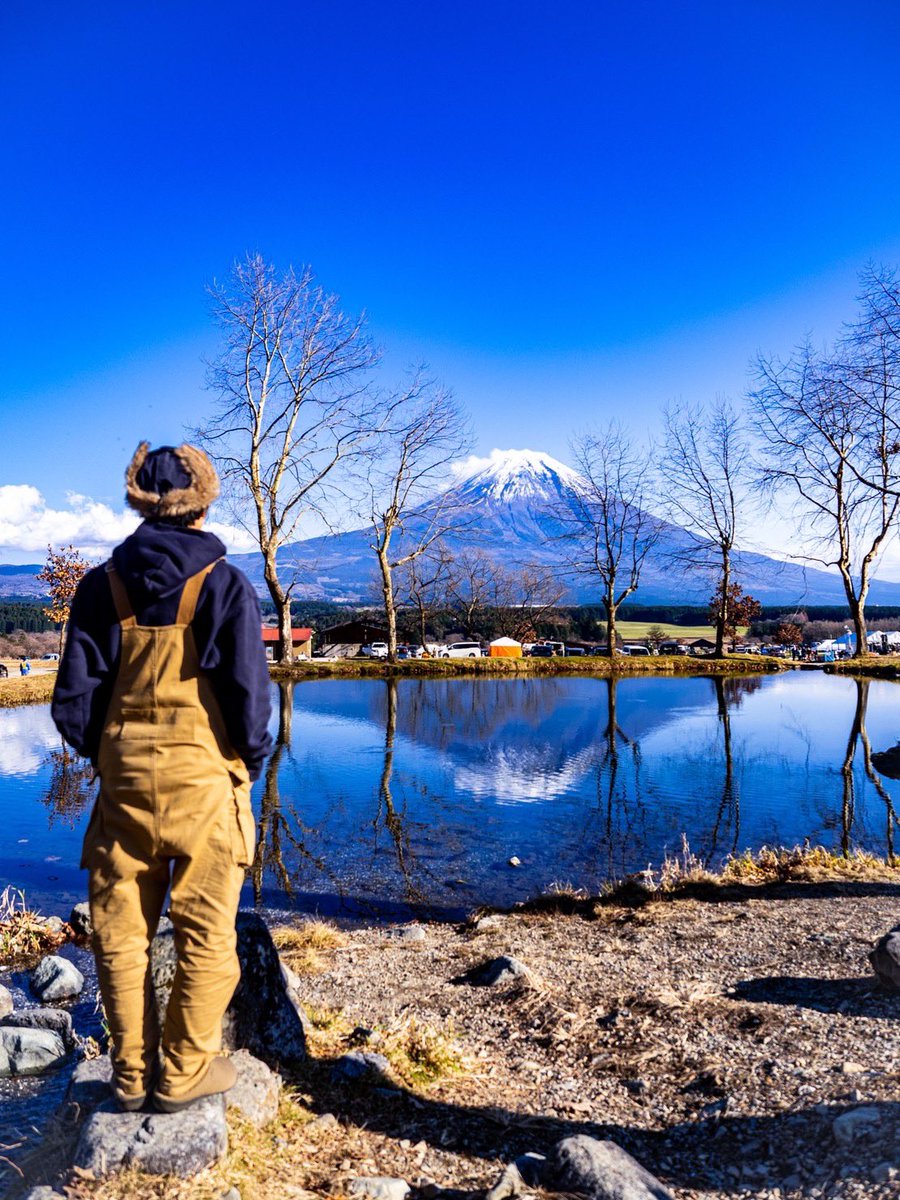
(488, 924)
(358, 1065)
(231, 1194)
(852, 1068)
(257, 1093)
(44, 1192)
(179, 1144)
(6, 1001)
(884, 1172)
(56, 1019)
(407, 933)
(601, 1170)
(55, 978)
(55, 925)
(495, 971)
(511, 1182)
(885, 960)
(324, 1122)
(29, 1051)
(80, 920)
(515, 862)
(379, 1187)
(849, 1124)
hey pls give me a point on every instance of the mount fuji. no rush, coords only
(507, 505)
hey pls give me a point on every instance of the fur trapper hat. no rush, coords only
(172, 481)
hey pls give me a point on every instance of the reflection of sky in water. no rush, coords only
(479, 770)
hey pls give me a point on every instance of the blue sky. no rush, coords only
(572, 211)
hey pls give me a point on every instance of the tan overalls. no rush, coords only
(174, 809)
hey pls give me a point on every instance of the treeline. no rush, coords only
(24, 615)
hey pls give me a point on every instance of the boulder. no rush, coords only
(90, 1083)
(407, 933)
(600, 1170)
(181, 1144)
(55, 978)
(55, 1019)
(496, 971)
(29, 1051)
(262, 1016)
(359, 1065)
(885, 960)
(44, 1192)
(6, 1001)
(849, 1125)
(80, 921)
(257, 1093)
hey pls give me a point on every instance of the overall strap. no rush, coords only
(124, 611)
(187, 605)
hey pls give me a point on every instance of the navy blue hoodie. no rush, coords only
(153, 564)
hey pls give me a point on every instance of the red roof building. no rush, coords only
(301, 641)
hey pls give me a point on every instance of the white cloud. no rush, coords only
(28, 524)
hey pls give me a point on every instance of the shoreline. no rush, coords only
(17, 691)
(443, 668)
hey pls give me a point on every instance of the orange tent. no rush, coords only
(506, 648)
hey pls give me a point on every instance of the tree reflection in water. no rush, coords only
(70, 790)
(387, 813)
(730, 693)
(278, 825)
(859, 736)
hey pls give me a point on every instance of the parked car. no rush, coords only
(672, 648)
(575, 652)
(636, 651)
(4, 671)
(51, 657)
(541, 651)
(462, 650)
(410, 650)
(374, 650)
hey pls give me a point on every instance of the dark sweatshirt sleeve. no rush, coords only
(228, 625)
(87, 670)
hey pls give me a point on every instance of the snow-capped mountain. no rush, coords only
(508, 505)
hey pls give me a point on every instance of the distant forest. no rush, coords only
(25, 615)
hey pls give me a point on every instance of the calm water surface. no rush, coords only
(384, 796)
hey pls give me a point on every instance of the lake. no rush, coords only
(412, 795)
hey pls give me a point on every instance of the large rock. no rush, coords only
(181, 1144)
(262, 1017)
(257, 1093)
(6, 1001)
(55, 978)
(56, 1019)
(80, 921)
(29, 1051)
(601, 1171)
(43, 1192)
(379, 1187)
(885, 960)
(90, 1083)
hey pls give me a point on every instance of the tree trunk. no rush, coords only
(722, 615)
(282, 602)
(858, 613)
(285, 712)
(390, 613)
(422, 626)
(611, 636)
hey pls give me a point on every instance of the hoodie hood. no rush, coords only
(156, 560)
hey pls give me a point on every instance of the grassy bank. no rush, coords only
(872, 666)
(442, 668)
(30, 689)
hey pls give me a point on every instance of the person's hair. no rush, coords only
(183, 520)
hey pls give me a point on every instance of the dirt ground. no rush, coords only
(715, 1039)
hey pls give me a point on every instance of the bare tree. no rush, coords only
(607, 525)
(471, 585)
(409, 511)
(294, 404)
(706, 473)
(820, 451)
(423, 584)
(521, 597)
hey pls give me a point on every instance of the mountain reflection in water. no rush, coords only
(417, 792)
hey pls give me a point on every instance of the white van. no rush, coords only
(374, 650)
(462, 650)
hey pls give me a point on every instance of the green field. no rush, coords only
(639, 630)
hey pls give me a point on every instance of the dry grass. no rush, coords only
(24, 936)
(805, 863)
(304, 947)
(420, 1053)
(28, 689)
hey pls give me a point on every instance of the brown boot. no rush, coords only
(220, 1076)
(135, 1101)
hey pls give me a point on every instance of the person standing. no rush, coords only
(163, 685)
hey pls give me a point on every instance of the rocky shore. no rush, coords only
(700, 1043)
